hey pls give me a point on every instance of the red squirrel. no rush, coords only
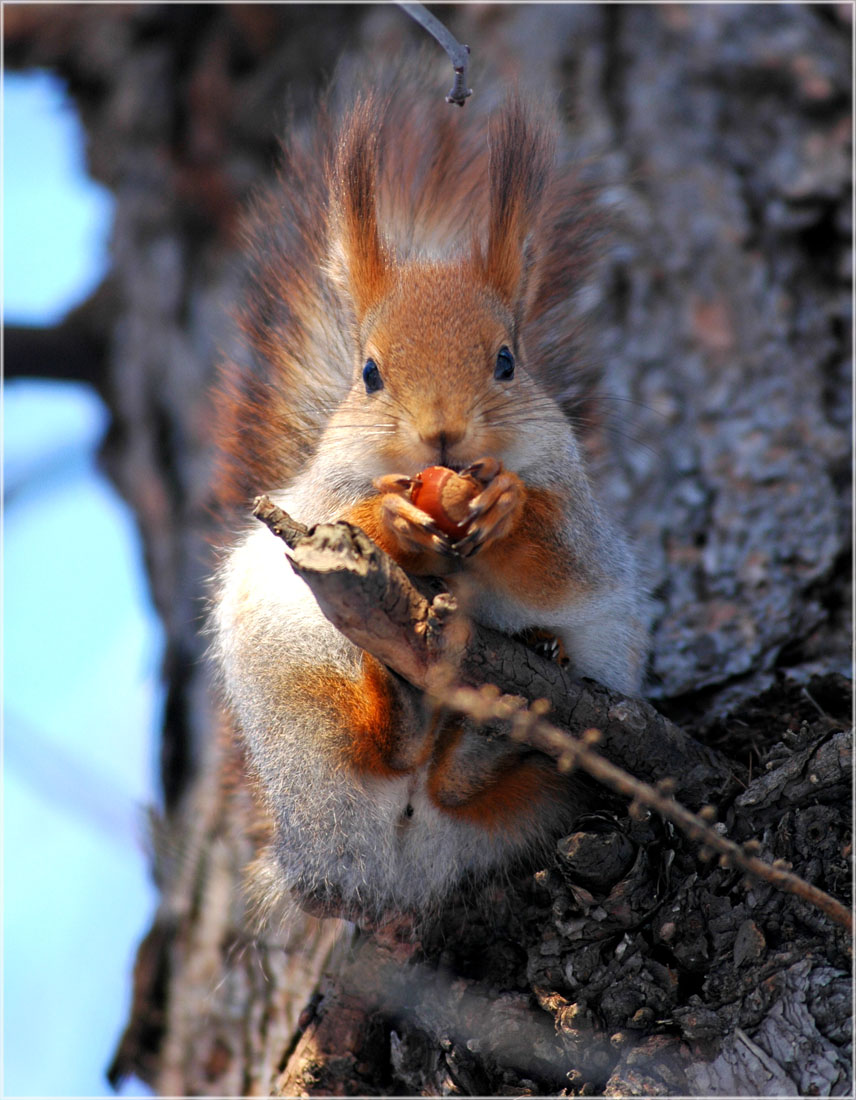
(408, 307)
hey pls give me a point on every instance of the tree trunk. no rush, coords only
(719, 317)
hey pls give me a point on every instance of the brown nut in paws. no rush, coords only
(445, 495)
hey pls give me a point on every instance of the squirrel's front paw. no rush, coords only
(494, 512)
(413, 530)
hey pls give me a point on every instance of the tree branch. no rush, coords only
(367, 596)
(487, 675)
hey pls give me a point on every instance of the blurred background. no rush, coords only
(82, 645)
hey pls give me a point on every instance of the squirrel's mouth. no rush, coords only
(461, 465)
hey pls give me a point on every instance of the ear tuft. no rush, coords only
(359, 260)
(521, 157)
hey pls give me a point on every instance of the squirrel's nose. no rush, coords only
(441, 440)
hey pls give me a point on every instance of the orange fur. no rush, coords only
(367, 263)
(511, 793)
(367, 712)
(520, 161)
(531, 562)
(367, 515)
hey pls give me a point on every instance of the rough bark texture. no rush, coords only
(718, 138)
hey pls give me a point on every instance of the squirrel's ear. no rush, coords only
(521, 156)
(359, 260)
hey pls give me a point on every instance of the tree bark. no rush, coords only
(716, 137)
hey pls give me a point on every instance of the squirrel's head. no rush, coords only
(441, 376)
(440, 373)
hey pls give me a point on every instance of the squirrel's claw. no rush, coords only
(493, 513)
(393, 483)
(414, 529)
(484, 469)
(470, 543)
(443, 547)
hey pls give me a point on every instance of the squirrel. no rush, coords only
(407, 306)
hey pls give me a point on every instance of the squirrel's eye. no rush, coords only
(371, 377)
(504, 364)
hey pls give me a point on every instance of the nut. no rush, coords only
(445, 495)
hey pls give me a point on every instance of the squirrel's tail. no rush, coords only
(389, 173)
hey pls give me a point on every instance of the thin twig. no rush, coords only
(459, 54)
(280, 523)
(527, 724)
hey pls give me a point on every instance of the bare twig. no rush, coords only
(485, 704)
(458, 53)
(279, 522)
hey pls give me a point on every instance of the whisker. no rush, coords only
(361, 427)
(602, 397)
